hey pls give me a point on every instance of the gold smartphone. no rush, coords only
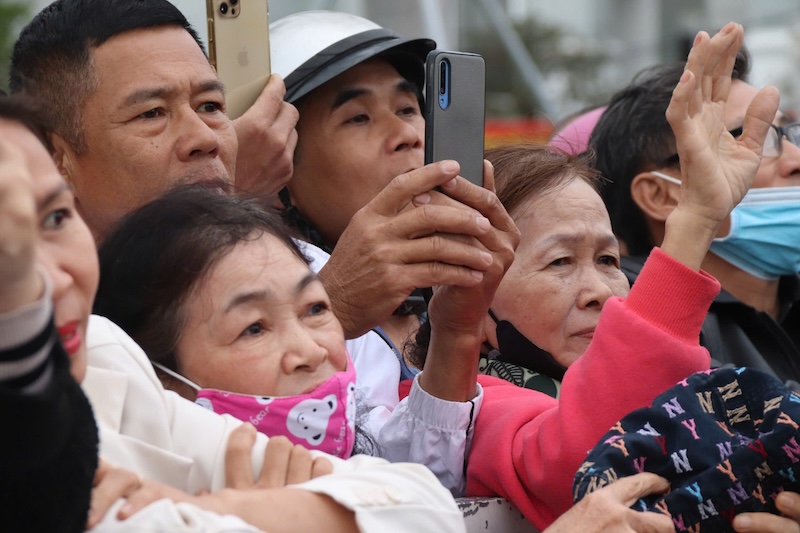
(238, 48)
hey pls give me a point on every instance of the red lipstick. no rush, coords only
(70, 336)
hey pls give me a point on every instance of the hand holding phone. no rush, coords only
(455, 88)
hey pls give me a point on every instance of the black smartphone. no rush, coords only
(455, 94)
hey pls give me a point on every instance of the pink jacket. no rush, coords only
(527, 446)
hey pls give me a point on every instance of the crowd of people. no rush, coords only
(287, 321)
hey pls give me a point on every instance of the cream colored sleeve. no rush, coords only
(390, 497)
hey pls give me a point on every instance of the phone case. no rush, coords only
(455, 111)
(238, 48)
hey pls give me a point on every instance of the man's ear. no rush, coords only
(63, 155)
(656, 197)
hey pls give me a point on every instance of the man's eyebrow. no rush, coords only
(347, 94)
(151, 93)
(212, 86)
(406, 86)
(143, 95)
(52, 195)
(264, 295)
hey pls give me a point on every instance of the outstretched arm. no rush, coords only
(716, 168)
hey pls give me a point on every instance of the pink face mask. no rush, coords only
(323, 419)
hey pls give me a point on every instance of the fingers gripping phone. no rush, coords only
(238, 48)
(455, 92)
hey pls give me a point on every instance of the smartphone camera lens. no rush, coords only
(234, 2)
(442, 77)
(223, 8)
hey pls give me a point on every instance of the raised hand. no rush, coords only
(19, 282)
(267, 140)
(716, 168)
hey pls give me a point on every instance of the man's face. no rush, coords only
(780, 171)
(155, 119)
(356, 133)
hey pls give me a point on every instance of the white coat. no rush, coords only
(162, 436)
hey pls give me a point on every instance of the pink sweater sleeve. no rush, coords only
(528, 446)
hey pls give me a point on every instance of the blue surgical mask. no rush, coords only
(764, 239)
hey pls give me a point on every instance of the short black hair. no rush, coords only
(633, 135)
(51, 60)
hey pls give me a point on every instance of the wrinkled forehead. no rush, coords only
(562, 206)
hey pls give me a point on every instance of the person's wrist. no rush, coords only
(688, 236)
(700, 223)
(451, 367)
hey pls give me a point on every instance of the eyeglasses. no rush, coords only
(773, 144)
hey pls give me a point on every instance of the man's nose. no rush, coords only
(196, 137)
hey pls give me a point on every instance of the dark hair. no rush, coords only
(521, 172)
(524, 171)
(158, 254)
(21, 109)
(632, 136)
(52, 62)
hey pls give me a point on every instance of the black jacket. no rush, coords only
(736, 334)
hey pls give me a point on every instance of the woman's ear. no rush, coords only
(656, 197)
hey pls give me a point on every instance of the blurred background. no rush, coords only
(547, 59)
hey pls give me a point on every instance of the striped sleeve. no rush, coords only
(27, 335)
